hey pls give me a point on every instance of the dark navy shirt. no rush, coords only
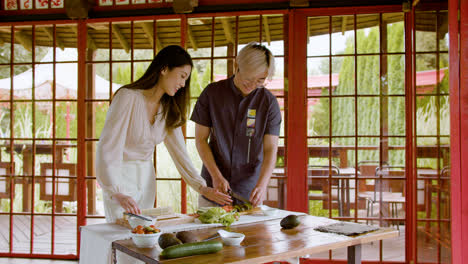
(234, 121)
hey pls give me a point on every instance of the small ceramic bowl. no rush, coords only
(135, 221)
(269, 211)
(231, 238)
(145, 240)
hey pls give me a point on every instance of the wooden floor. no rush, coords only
(65, 242)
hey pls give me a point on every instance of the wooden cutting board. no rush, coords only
(163, 220)
(251, 211)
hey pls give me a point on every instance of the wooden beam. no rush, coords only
(266, 27)
(149, 31)
(90, 41)
(123, 41)
(99, 26)
(1, 42)
(228, 30)
(24, 40)
(50, 33)
(343, 25)
(192, 39)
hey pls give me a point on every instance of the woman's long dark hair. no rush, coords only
(175, 108)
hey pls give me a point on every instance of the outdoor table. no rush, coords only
(264, 242)
(344, 178)
(27, 151)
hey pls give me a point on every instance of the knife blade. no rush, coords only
(239, 197)
(138, 216)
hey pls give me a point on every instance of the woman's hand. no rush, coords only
(127, 203)
(216, 196)
(221, 184)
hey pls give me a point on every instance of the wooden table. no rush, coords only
(27, 151)
(264, 242)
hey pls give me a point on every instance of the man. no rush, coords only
(242, 121)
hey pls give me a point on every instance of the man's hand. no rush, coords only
(127, 203)
(216, 196)
(221, 184)
(258, 195)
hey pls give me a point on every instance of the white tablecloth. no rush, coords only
(96, 240)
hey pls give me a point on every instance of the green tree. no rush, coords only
(21, 55)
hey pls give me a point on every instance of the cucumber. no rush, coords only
(190, 249)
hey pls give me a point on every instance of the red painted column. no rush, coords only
(81, 113)
(296, 151)
(410, 164)
(458, 49)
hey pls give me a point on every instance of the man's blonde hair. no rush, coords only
(255, 59)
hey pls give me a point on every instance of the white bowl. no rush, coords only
(145, 240)
(231, 238)
(269, 211)
(135, 221)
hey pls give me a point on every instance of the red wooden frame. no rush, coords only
(458, 32)
(297, 150)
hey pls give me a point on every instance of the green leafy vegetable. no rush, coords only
(211, 215)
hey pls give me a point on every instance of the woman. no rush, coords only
(142, 115)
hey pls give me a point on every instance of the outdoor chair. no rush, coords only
(388, 190)
(6, 180)
(318, 180)
(65, 183)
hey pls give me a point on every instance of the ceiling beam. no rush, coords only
(192, 39)
(149, 31)
(90, 41)
(24, 40)
(123, 41)
(99, 26)
(50, 33)
(228, 30)
(343, 24)
(266, 27)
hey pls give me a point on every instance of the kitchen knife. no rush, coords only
(239, 197)
(138, 216)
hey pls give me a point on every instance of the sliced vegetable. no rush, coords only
(210, 215)
(190, 249)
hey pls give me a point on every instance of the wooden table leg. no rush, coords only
(114, 255)
(354, 254)
(27, 185)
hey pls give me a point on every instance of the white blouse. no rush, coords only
(128, 136)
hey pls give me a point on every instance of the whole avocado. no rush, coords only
(289, 222)
(167, 240)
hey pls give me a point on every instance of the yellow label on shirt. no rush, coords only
(251, 113)
(250, 122)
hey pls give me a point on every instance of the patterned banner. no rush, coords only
(122, 2)
(56, 3)
(10, 5)
(42, 4)
(105, 2)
